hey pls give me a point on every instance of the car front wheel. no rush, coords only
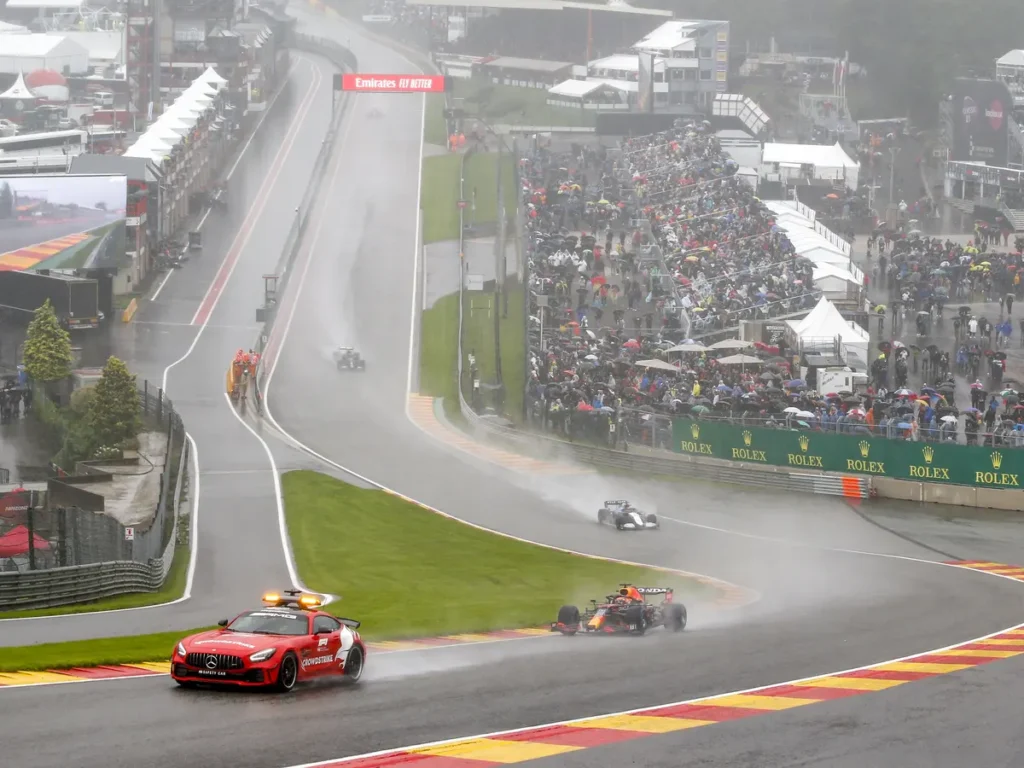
(287, 673)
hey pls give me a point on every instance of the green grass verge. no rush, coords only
(435, 129)
(439, 335)
(91, 653)
(511, 105)
(482, 178)
(173, 588)
(439, 197)
(478, 337)
(406, 572)
(403, 572)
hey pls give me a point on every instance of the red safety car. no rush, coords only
(286, 642)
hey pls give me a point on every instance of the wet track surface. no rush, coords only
(826, 605)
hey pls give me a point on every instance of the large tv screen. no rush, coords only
(62, 222)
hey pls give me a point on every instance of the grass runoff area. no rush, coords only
(440, 323)
(512, 105)
(402, 571)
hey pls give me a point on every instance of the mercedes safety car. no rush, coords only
(347, 359)
(623, 516)
(627, 612)
(288, 641)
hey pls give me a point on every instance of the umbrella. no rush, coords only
(949, 419)
(792, 409)
(632, 344)
(739, 360)
(660, 365)
(688, 347)
(732, 344)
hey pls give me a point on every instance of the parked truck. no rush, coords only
(74, 299)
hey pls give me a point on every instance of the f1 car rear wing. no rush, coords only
(667, 591)
(616, 502)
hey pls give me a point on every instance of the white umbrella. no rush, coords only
(792, 409)
(732, 344)
(805, 415)
(740, 360)
(949, 419)
(688, 348)
(660, 365)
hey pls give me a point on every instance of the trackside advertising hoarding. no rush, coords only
(394, 83)
(981, 109)
(974, 465)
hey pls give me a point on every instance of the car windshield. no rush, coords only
(271, 623)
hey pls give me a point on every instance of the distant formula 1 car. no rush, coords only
(627, 612)
(347, 359)
(625, 517)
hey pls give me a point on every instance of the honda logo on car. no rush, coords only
(393, 83)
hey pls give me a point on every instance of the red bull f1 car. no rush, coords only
(287, 642)
(628, 612)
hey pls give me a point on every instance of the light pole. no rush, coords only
(893, 151)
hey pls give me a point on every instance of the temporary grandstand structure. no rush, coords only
(588, 94)
(795, 162)
(826, 327)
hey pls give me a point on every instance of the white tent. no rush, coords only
(18, 91)
(740, 360)
(211, 77)
(732, 344)
(835, 281)
(826, 322)
(175, 124)
(831, 163)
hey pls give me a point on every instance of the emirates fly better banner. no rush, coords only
(393, 83)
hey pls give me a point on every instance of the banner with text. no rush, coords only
(830, 452)
(394, 83)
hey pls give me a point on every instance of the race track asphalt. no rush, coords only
(240, 551)
(22, 234)
(827, 604)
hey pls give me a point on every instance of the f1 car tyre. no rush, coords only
(602, 517)
(569, 616)
(652, 519)
(354, 665)
(675, 617)
(636, 619)
(287, 673)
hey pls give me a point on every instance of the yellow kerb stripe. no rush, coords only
(753, 701)
(31, 678)
(496, 750)
(993, 654)
(641, 723)
(853, 683)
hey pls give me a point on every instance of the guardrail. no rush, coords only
(78, 583)
(345, 60)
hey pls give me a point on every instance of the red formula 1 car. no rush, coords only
(627, 612)
(286, 642)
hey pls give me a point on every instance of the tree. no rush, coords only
(114, 415)
(47, 347)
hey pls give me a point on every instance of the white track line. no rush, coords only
(244, 233)
(383, 752)
(234, 167)
(193, 555)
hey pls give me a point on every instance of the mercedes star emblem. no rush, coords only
(211, 662)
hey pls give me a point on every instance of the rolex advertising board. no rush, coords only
(855, 454)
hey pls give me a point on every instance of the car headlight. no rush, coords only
(263, 655)
(181, 649)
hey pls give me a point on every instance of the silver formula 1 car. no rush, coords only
(623, 516)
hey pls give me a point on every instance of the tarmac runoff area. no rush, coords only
(132, 494)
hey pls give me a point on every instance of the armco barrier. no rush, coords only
(943, 463)
(658, 462)
(77, 583)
